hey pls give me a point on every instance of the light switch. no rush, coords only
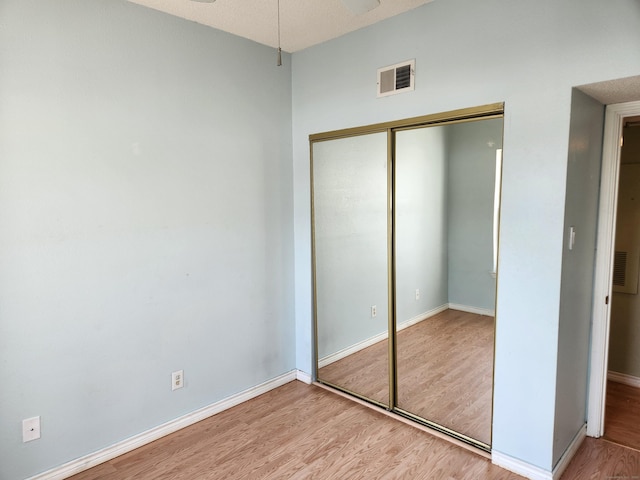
(572, 237)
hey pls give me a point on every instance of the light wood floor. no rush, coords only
(622, 415)
(445, 372)
(599, 459)
(299, 431)
(302, 431)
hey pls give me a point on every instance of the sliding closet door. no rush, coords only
(446, 201)
(405, 246)
(350, 239)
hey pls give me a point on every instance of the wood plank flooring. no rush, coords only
(622, 415)
(299, 431)
(599, 459)
(445, 371)
(617, 454)
(302, 431)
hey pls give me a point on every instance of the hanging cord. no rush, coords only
(279, 63)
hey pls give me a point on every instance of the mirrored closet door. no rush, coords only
(447, 200)
(405, 230)
(351, 269)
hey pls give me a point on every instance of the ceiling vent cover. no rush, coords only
(396, 78)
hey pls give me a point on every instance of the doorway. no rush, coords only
(613, 267)
(622, 406)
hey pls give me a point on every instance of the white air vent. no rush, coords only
(625, 272)
(396, 78)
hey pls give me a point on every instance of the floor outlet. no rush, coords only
(374, 311)
(177, 380)
(30, 429)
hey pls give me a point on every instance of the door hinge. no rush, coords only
(606, 300)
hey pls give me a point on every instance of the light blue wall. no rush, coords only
(468, 53)
(581, 211)
(472, 173)
(350, 212)
(421, 221)
(145, 222)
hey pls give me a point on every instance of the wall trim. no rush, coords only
(131, 443)
(520, 467)
(568, 454)
(303, 377)
(470, 309)
(423, 316)
(624, 378)
(350, 350)
(533, 472)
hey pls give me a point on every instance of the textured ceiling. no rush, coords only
(303, 23)
(614, 91)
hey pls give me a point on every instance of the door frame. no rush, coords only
(602, 289)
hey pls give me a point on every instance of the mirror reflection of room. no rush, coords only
(350, 228)
(447, 207)
(438, 222)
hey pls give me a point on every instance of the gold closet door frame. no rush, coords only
(483, 112)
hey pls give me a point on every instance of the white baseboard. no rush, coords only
(568, 454)
(422, 317)
(470, 309)
(303, 377)
(350, 350)
(104, 455)
(536, 473)
(624, 378)
(520, 467)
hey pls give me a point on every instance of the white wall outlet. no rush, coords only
(30, 429)
(417, 294)
(177, 380)
(374, 311)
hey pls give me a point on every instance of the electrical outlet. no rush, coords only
(374, 311)
(30, 429)
(177, 380)
(417, 294)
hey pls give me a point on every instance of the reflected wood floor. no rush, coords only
(622, 414)
(302, 431)
(299, 431)
(445, 371)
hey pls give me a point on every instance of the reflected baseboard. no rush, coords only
(422, 317)
(470, 309)
(351, 349)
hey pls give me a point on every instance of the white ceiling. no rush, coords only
(303, 23)
(621, 90)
